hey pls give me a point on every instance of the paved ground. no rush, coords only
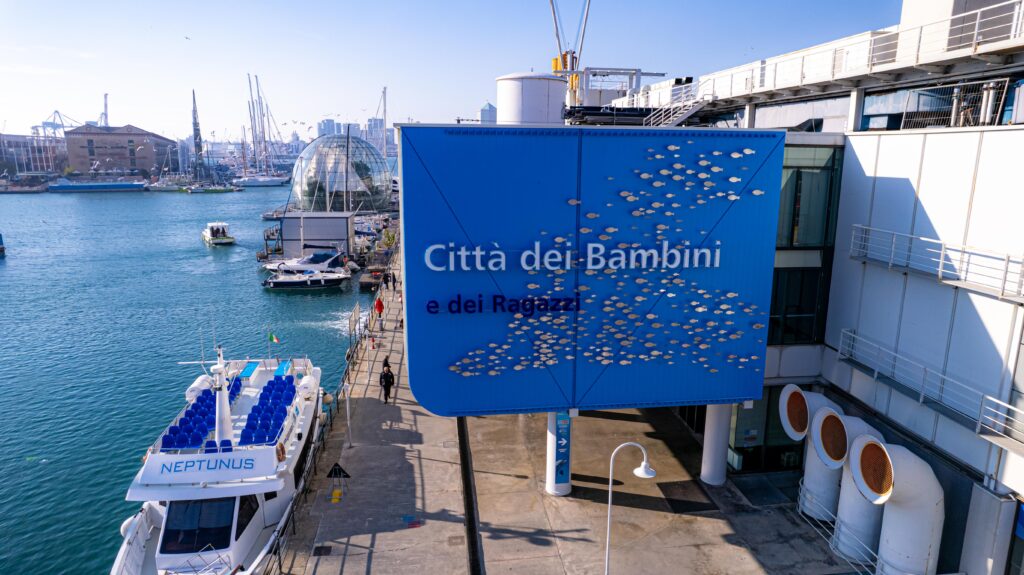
(402, 510)
(670, 524)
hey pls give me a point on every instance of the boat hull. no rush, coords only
(304, 284)
(99, 187)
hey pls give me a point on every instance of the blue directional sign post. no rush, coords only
(558, 268)
(558, 480)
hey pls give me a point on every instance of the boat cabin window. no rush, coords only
(247, 508)
(318, 258)
(269, 495)
(193, 526)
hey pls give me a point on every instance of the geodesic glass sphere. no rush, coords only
(341, 174)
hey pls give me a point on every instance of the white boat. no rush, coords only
(307, 280)
(217, 234)
(169, 185)
(212, 189)
(218, 485)
(326, 261)
(260, 181)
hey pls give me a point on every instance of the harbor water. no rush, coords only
(100, 295)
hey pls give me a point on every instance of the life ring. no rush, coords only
(280, 450)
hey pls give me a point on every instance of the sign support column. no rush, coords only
(558, 477)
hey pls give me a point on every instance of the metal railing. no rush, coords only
(927, 382)
(966, 34)
(955, 105)
(997, 273)
(1002, 419)
(827, 528)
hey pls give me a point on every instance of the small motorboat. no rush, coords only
(217, 234)
(307, 280)
(3, 250)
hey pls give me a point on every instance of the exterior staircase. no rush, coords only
(674, 113)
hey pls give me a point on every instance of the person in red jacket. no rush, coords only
(378, 306)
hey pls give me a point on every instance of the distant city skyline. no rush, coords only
(438, 59)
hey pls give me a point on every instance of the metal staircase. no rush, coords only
(674, 113)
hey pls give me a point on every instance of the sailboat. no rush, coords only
(260, 121)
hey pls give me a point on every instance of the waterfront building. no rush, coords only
(899, 274)
(32, 154)
(119, 149)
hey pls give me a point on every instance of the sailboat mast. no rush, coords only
(252, 123)
(245, 160)
(262, 125)
(197, 139)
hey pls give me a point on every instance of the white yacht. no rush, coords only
(217, 486)
(260, 181)
(307, 280)
(325, 261)
(217, 234)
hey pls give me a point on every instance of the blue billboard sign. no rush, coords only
(556, 268)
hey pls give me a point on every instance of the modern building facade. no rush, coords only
(119, 150)
(899, 272)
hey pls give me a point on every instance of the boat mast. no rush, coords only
(197, 140)
(252, 124)
(384, 128)
(245, 160)
(262, 122)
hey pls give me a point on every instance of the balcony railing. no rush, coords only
(968, 34)
(925, 383)
(993, 273)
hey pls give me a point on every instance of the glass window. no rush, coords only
(247, 508)
(1015, 562)
(192, 526)
(809, 199)
(798, 306)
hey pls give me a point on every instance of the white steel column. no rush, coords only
(716, 443)
(749, 112)
(856, 113)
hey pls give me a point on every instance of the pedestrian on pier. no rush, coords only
(387, 363)
(387, 381)
(378, 306)
(394, 280)
(384, 279)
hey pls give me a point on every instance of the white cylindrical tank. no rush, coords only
(858, 521)
(530, 98)
(914, 505)
(819, 494)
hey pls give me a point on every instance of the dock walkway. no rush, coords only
(402, 510)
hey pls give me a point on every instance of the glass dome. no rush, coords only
(340, 174)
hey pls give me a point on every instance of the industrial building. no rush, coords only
(120, 150)
(899, 277)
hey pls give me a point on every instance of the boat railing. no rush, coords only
(133, 553)
(202, 563)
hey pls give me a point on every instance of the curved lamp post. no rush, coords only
(645, 471)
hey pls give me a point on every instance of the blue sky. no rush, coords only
(321, 59)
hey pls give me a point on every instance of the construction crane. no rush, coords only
(568, 59)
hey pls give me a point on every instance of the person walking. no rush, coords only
(387, 381)
(385, 278)
(394, 280)
(378, 306)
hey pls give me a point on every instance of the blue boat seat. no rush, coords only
(225, 445)
(210, 421)
(211, 447)
(247, 436)
(260, 437)
(195, 440)
(167, 442)
(180, 441)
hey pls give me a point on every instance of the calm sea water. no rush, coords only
(100, 295)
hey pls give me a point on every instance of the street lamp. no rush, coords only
(645, 471)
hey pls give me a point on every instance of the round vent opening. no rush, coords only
(796, 412)
(875, 468)
(833, 437)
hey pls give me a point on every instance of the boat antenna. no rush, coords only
(202, 352)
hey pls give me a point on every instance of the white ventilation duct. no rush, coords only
(819, 496)
(858, 520)
(914, 505)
